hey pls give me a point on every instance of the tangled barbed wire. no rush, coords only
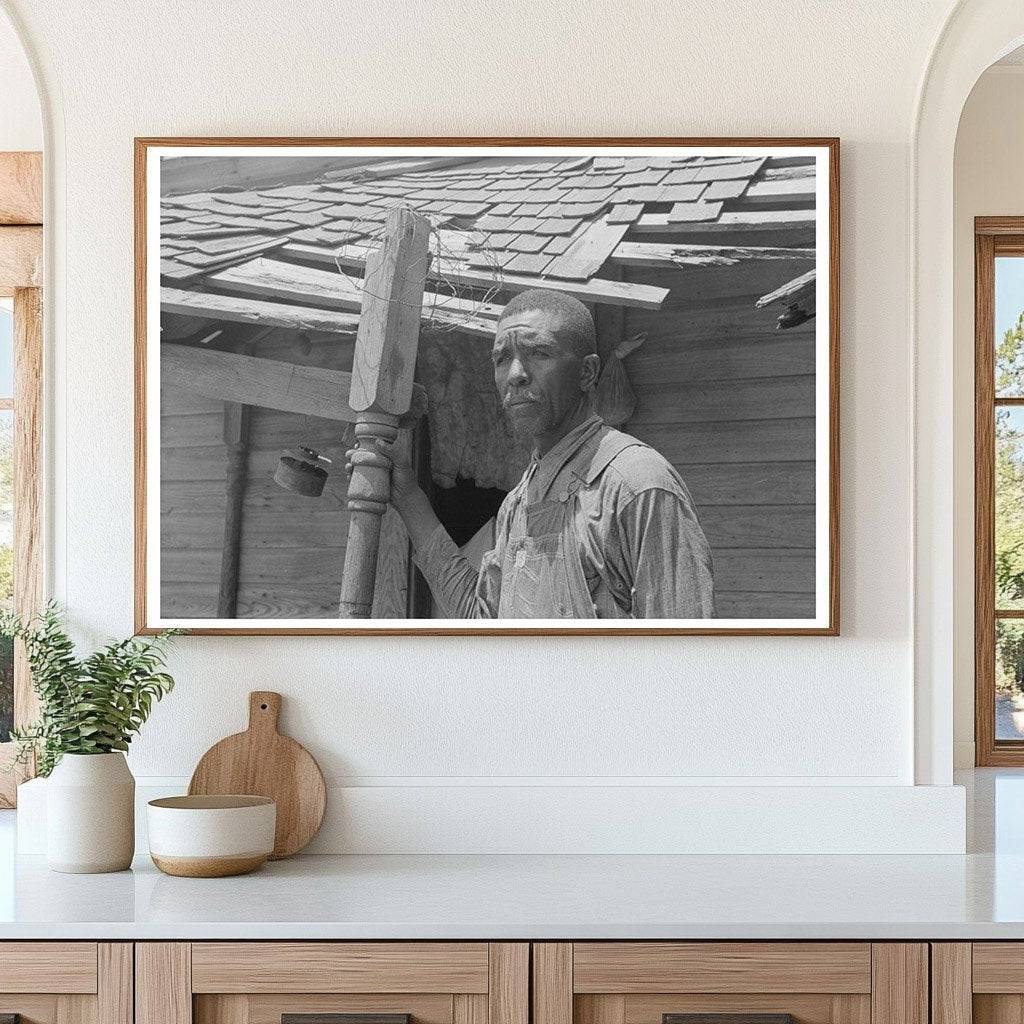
(453, 302)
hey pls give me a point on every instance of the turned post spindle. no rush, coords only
(381, 393)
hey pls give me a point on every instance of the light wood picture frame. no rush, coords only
(710, 268)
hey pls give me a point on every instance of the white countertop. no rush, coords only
(979, 896)
(532, 897)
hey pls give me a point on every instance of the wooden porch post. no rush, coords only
(236, 441)
(237, 418)
(382, 372)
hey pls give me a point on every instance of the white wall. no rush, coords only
(21, 124)
(988, 181)
(446, 712)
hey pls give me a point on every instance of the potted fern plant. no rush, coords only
(89, 710)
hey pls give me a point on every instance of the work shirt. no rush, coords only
(601, 526)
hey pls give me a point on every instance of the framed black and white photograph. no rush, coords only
(487, 386)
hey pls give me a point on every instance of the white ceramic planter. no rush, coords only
(90, 814)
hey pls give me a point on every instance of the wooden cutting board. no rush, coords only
(262, 762)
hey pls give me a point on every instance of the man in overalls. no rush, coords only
(600, 525)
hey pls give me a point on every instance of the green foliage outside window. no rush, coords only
(1009, 511)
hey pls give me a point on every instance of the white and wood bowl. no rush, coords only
(211, 836)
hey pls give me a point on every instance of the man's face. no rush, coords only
(538, 375)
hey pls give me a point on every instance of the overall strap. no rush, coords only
(608, 444)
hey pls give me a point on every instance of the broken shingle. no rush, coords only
(684, 213)
(528, 263)
(625, 213)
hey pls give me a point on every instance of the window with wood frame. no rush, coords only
(999, 490)
(21, 353)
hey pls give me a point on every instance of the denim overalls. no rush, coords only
(541, 575)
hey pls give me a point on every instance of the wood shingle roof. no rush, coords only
(500, 223)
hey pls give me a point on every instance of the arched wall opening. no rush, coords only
(976, 34)
(987, 182)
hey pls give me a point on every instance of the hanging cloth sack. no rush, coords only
(616, 400)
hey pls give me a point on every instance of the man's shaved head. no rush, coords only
(575, 324)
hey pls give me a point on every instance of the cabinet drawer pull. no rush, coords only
(728, 1018)
(339, 1018)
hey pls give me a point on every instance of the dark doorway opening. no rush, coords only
(464, 508)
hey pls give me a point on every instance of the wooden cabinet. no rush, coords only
(647, 982)
(494, 983)
(258, 982)
(66, 982)
(980, 982)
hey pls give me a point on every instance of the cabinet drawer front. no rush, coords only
(721, 967)
(339, 967)
(48, 967)
(998, 967)
(262, 1008)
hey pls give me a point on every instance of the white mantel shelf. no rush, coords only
(531, 897)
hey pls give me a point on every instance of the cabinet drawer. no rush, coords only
(629, 967)
(340, 967)
(747, 982)
(260, 982)
(48, 967)
(66, 982)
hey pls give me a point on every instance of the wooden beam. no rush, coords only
(250, 380)
(730, 222)
(330, 289)
(21, 188)
(616, 293)
(21, 258)
(382, 369)
(211, 306)
(657, 254)
(800, 290)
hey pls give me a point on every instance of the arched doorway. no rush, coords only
(976, 33)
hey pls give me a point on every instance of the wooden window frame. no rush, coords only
(21, 262)
(993, 236)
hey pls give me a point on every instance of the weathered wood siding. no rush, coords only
(729, 400)
(293, 548)
(726, 397)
